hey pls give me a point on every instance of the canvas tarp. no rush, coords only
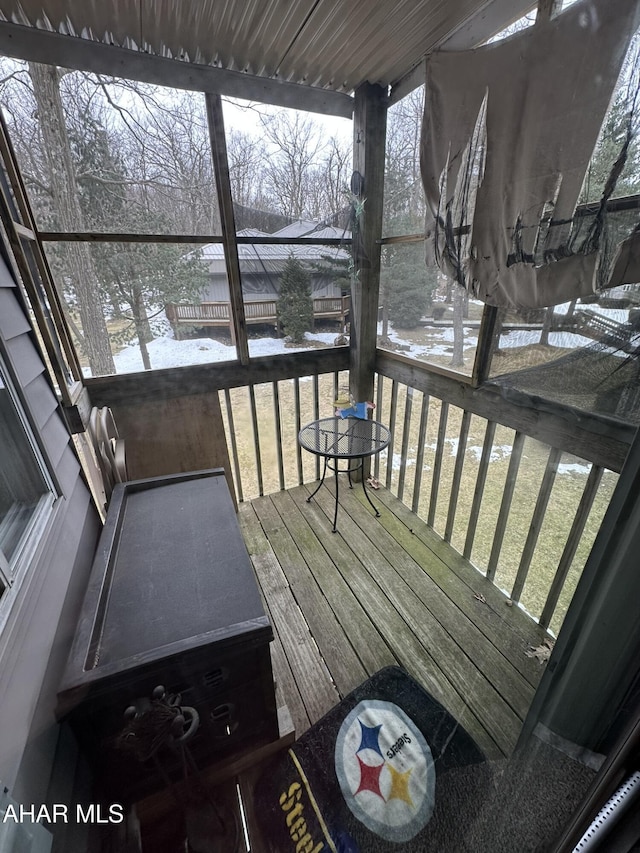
(508, 132)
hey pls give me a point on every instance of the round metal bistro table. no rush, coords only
(351, 439)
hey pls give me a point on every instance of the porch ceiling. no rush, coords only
(334, 45)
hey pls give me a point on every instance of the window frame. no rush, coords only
(15, 568)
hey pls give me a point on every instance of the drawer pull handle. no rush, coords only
(222, 712)
(214, 678)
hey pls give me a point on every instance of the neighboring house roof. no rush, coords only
(258, 258)
(299, 228)
(318, 230)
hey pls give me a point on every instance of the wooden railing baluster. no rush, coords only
(437, 464)
(481, 479)
(298, 422)
(505, 505)
(316, 415)
(405, 440)
(573, 540)
(379, 398)
(457, 475)
(392, 428)
(256, 439)
(234, 445)
(539, 512)
(278, 428)
(422, 435)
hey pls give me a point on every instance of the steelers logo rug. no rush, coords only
(387, 769)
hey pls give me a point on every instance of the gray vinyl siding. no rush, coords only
(13, 319)
(25, 359)
(40, 400)
(36, 637)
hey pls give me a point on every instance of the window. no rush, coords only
(26, 491)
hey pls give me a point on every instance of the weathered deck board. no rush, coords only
(371, 650)
(341, 659)
(510, 629)
(457, 680)
(379, 592)
(307, 666)
(448, 610)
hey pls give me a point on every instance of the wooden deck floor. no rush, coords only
(379, 592)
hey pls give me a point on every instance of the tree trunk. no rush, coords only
(449, 296)
(546, 326)
(64, 190)
(143, 329)
(458, 329)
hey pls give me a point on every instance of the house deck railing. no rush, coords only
(522, 510)
(218, 314)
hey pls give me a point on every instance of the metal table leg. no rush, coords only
(366, 494)
(317, 488)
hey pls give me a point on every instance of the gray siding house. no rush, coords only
(262, 265)
(47, 541)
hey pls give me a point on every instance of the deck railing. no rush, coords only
(255, 311)
(524, 513)
(268, 417)
(522, 510)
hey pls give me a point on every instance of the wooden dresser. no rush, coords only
(172, 623)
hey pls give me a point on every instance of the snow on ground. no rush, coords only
(167, 352)
(444, 348)
(574, 468)
(164, 351)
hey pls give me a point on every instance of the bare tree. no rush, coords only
(337, 170)
(404, 194)
(328, 181)
(164, 143)
(296, 144)
(247, 157)
(64, 192)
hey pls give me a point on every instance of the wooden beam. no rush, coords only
(488, 337)
(130, 237)
(548, 9)
(600, 439)
(227, 219)
(491, 19)
(613, 205)
(50, 48)
(369, 136)
(202, 378)
(486, 21)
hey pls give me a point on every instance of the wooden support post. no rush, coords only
(488, 340)
(238, 325)
(548, 9)
(369, 134)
